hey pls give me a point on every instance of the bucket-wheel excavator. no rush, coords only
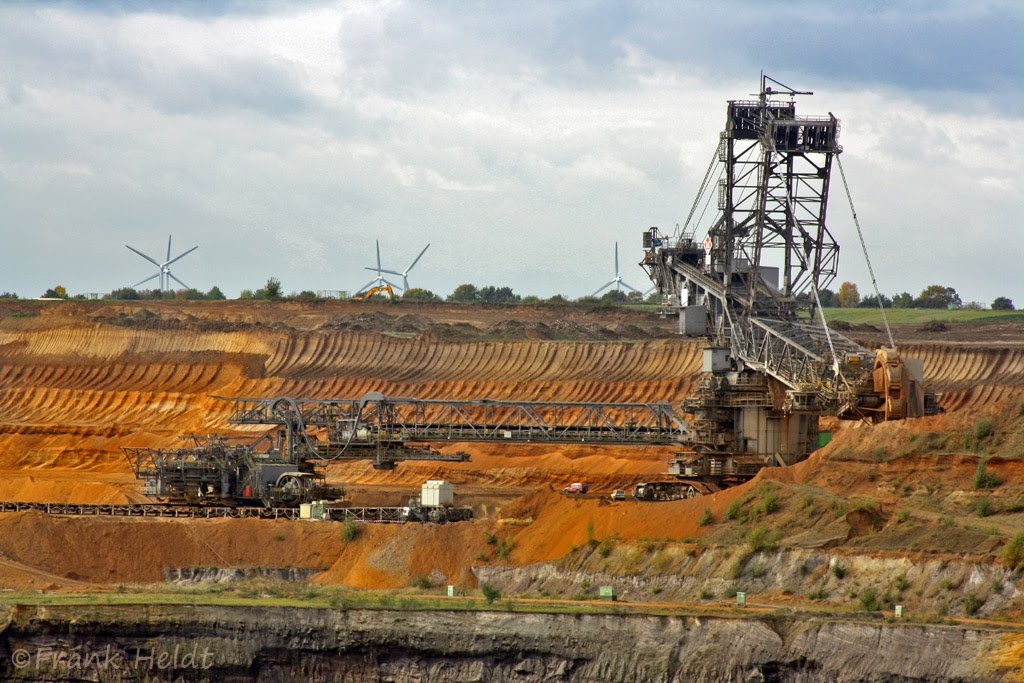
(750, 286)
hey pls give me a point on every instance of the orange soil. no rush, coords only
(74, 389)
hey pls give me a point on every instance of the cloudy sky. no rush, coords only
(521, 139)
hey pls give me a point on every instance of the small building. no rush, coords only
(437, 493)
(314, 510)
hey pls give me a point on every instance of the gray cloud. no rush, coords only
(521, 139)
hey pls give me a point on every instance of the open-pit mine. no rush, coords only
(717, 487)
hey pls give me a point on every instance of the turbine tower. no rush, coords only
(617, 280)
(164, 272)
(405, 273)
(380, 280)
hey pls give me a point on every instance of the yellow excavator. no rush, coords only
(373, 291)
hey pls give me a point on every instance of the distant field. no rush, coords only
(919, 315)
(899, 315)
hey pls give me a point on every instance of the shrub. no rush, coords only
(504, 548)
(279, 537)
(734, 509)
(972, 603)
(737, 567)
(605, 549)
(983, 429)
(763, 539)
(421, 581)
(708, 518)
(984, 507)
(1013, 552)
(491, 592)
(490, 538)
(869, 600)
(757, 570)
(983, 479)
(351, 531)
(839, 571)
(901, 583)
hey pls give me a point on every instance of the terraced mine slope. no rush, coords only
(80, 380)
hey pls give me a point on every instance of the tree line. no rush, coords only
(932, 296)
(848, 296)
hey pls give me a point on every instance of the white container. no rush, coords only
(437, 493)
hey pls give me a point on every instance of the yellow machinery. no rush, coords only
(373, 291)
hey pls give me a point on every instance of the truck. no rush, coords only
(576, 487)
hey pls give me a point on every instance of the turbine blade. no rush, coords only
(144, 256)
(616, 259)
(365, 287)
(405, 283)
(604, 287)
(171, 275)
(182, 255)
(145, 281)
(393, 284)
(392, 272)
(378, 255)
(648, 292)
(629, 287)
(417, 259)
(168, 247)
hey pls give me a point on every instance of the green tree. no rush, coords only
(58, 292)
(938, 296)
(465, 293)
(848, 295)
(194, 295)
(215, 294)
(271, 290)
(828, 298)
(497, 295)
(903, 300)
(124, 294)
(871, 301)
(613, 296)
(1001, 303)
(491, 592)
(420, 294)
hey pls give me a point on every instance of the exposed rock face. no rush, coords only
(230, 574)
(713, 571)
(281, 644)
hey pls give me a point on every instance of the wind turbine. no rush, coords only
(164, 272)
(617, 280)
(380, 280)
(405, 273)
